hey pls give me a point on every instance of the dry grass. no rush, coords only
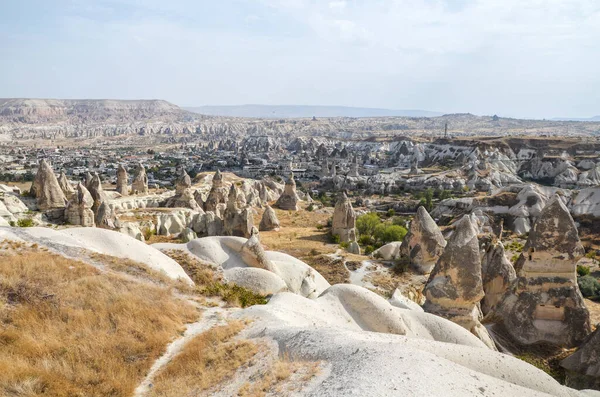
(298, 235)
(332, 269)
(206, 361)
(67, 329)
(281, 378)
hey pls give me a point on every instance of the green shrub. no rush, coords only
(148, 233)
(25, 222)
(365, 239)
(344, 245)
(583, 270)
(589, 286)
(366, 224)
(12, 223)
(320, 227)
(391, 212)
(387, 233)
(334, 238)
(369, 249)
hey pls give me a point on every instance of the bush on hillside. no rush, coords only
(589, 286)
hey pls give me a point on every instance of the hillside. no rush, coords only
(78, 111)
(300, 111)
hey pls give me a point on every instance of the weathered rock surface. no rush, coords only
(424, 242)
(236, 221)
(47, 191)
(184, 196)
(498, 274)
(344, 219)
(269, 220)
(455, 287)
(289, 198)
(79, 209)
(66, 187)
(545, 304)
(140, 181)
(122, 181)
(218, 193)
(583, 366)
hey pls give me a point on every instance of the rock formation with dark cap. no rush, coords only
(544, 304)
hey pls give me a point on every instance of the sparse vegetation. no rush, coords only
(25, 222)
(272, 380)
(209, 283)
(332, 269)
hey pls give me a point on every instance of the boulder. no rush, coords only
(544, 304)
(187, 235)
(344, 219)
(388, 252)
(269, 220)
(79, 209)
(289, 198)
(424, 242)
(132, 230)
(122, 181)
(140, 181)
(455, 287)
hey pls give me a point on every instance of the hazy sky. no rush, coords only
(523, 58)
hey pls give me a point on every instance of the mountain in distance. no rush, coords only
(303, 111)
(595, 118)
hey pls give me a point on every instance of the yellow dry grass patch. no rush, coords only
(67, 329)
(206, 361)
(298, 235)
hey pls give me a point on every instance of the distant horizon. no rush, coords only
(437, 113)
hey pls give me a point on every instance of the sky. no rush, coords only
(514, 58)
